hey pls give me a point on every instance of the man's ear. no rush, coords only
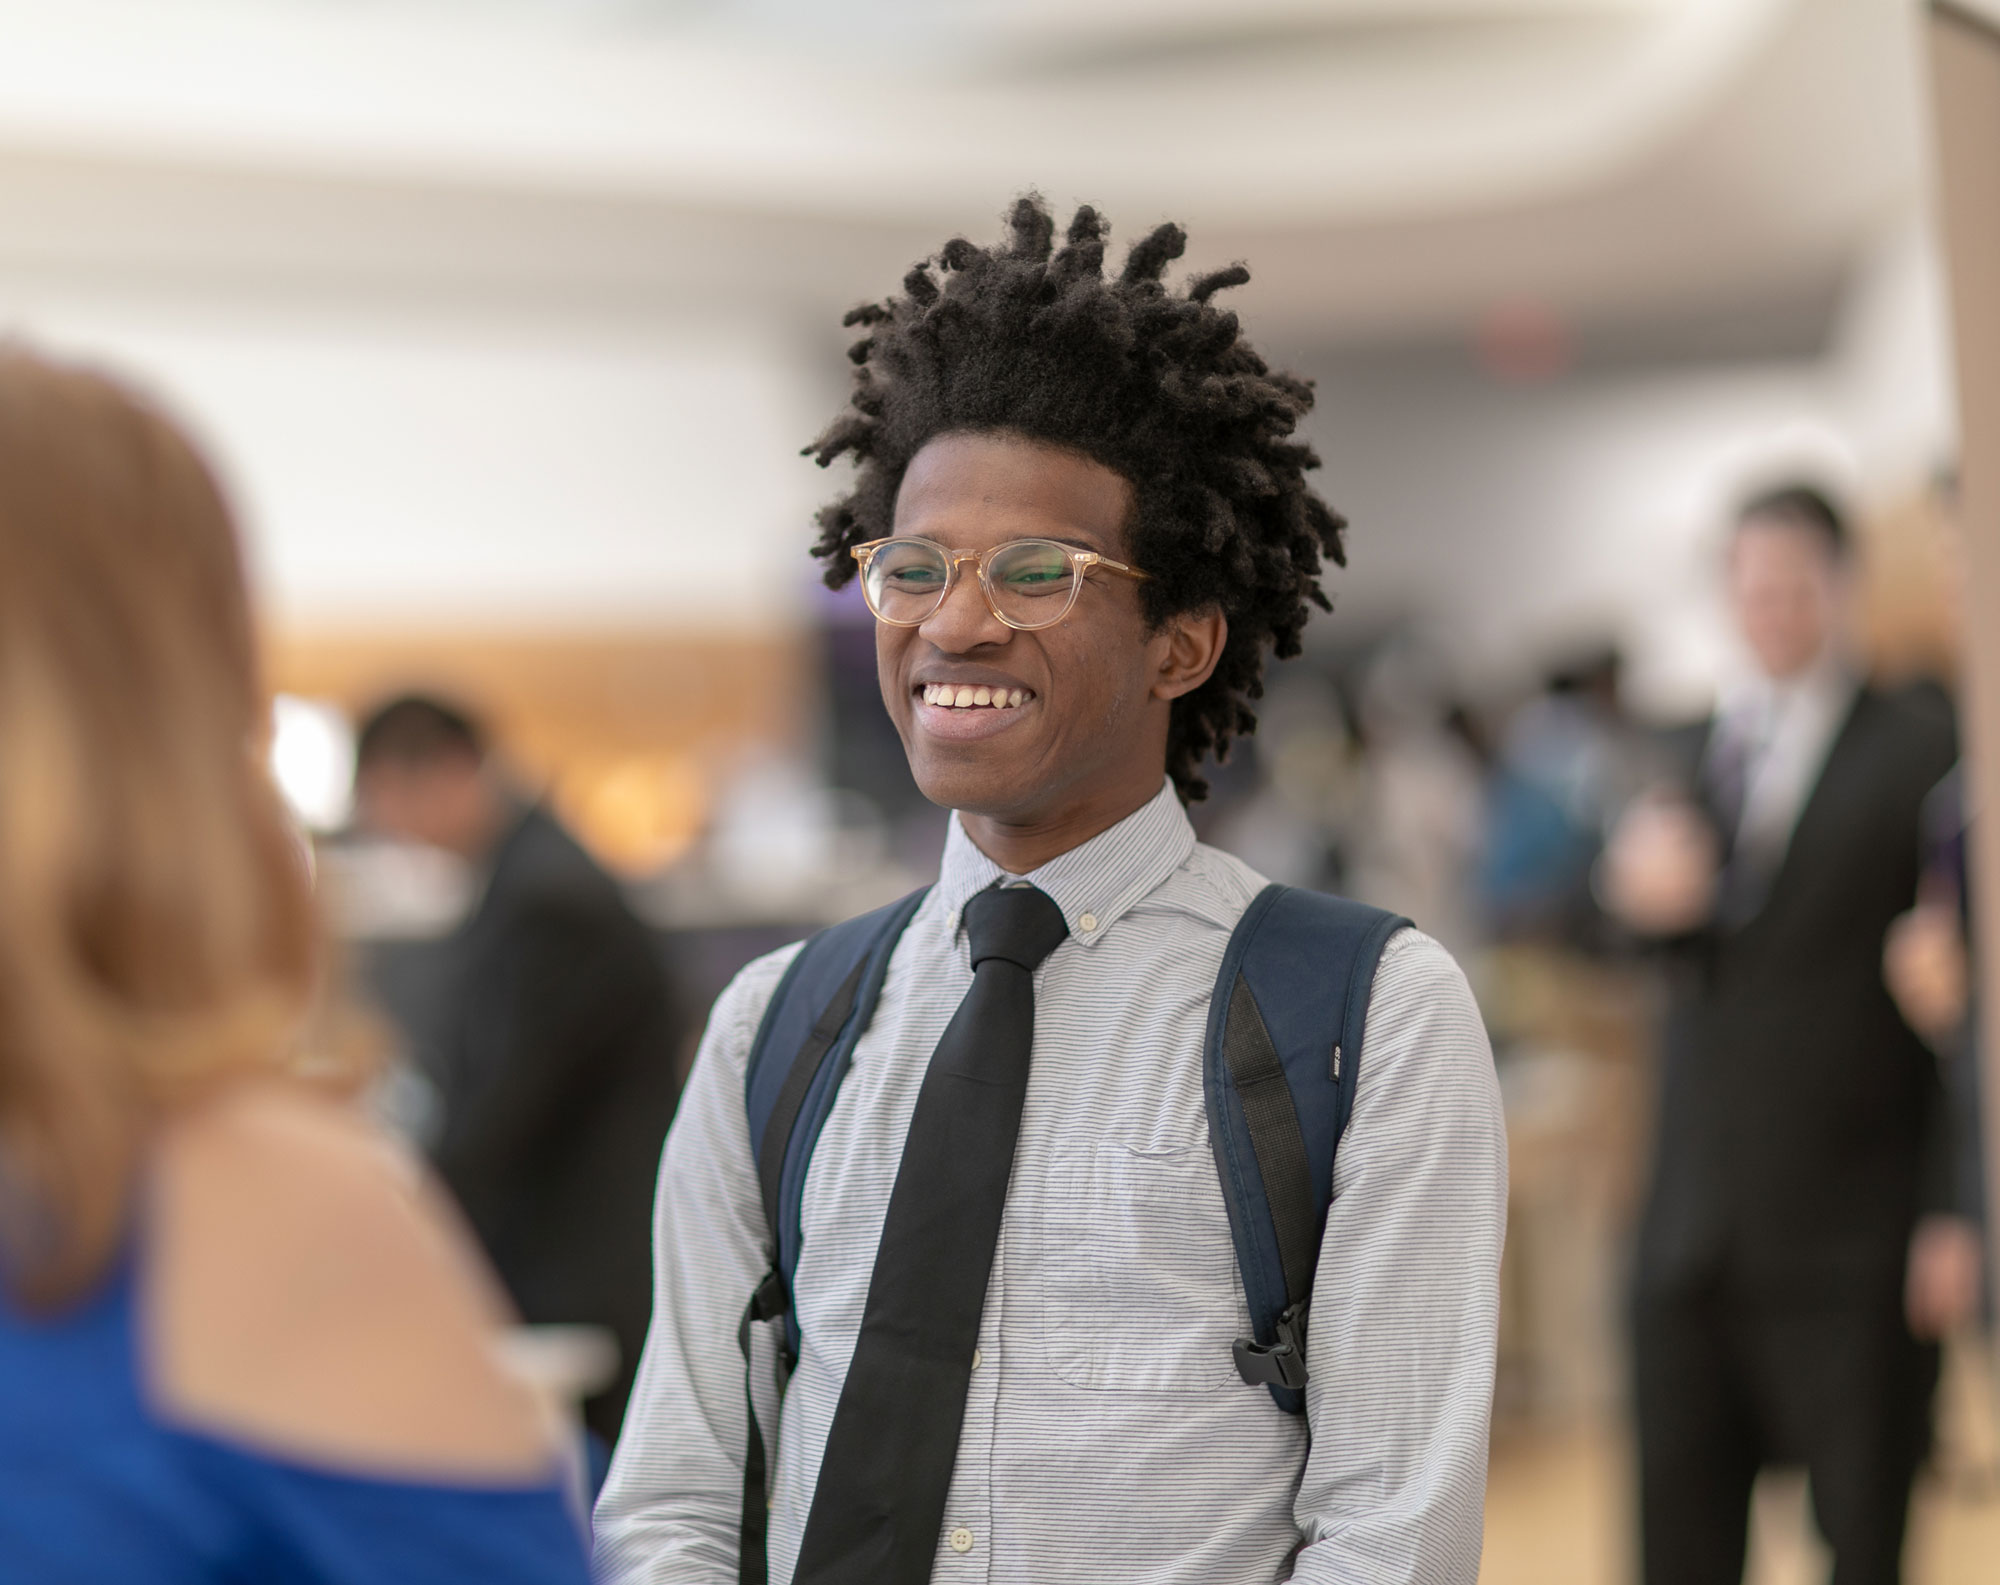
(1194, 647)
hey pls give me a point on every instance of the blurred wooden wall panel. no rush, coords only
(632, 734)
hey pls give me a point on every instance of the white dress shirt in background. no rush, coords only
(1107, 1435)
(1785, 730)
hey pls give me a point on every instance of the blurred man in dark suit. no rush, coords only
(553, 1048)
(1790, 1240)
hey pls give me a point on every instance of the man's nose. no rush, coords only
(964, 621)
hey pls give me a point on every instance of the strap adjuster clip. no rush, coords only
(772, 1299)
(771, 1302)
(1281, 1362)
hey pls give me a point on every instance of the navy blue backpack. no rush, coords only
(1278, 1067)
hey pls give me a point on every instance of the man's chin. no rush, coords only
(980, 778)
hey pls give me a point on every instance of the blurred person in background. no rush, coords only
(1566, 767)
(1927, 965)
(1414, 841)
(239, 1337)
(1082, 523)
(1788, 1277)
(553, 1039)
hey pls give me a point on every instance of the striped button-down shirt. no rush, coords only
(1107, 1435)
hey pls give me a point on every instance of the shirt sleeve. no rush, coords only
(1406, 1302)
(673, 1498)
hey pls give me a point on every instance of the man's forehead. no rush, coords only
(1787, 527)
(1003, 487)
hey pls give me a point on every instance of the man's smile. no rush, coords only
(965, 711)
(965, 696)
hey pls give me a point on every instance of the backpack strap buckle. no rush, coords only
(1282, 1362)
(771, 1302)
(771, 1299)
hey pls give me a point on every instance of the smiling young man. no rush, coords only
(1008, 1261)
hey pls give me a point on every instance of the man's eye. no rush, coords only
(916, 577)
(1034, 572)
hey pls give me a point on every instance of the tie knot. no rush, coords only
(1021, 924)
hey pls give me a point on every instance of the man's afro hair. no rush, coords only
(1033, 340)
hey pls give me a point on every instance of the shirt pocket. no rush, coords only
(1139, 1283)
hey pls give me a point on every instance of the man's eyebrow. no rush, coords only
(1060, 539)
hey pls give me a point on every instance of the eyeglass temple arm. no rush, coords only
(1090, 558)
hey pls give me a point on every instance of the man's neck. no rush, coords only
(1825, 672)
(1759, 690)
(1022, 846)
(487, 821)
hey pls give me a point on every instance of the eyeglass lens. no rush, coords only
(1031, 581)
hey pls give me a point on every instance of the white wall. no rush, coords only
(1514, 522)
(398, 465)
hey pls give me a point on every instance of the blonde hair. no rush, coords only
(156, 925)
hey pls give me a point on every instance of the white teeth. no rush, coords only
(968, 696)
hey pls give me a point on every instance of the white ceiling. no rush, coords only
(1276, 112)
(1391, 168)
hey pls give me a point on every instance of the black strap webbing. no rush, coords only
(1272, 1119)
(766, 1304)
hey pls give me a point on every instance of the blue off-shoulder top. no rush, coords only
(97, 1489)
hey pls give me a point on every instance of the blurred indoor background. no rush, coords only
(507, 320)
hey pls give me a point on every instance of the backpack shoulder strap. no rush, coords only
(1285, 1027)
(804, 1043)
(822, 1004)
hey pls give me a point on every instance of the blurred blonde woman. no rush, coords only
(239, 1340)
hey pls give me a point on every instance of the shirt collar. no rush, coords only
(1760, 701)
(1095, 883)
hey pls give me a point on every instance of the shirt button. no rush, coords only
(977, 1356)
(961, 1539)
(1086, 922)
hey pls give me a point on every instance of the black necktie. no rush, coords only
(879, 1505)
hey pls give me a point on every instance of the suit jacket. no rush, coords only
(556, 1062)
(1801, 1128)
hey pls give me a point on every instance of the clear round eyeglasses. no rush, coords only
(1028, 583)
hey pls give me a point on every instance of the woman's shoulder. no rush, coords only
(309, 1294)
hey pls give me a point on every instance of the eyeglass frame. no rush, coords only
(1080, 562)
